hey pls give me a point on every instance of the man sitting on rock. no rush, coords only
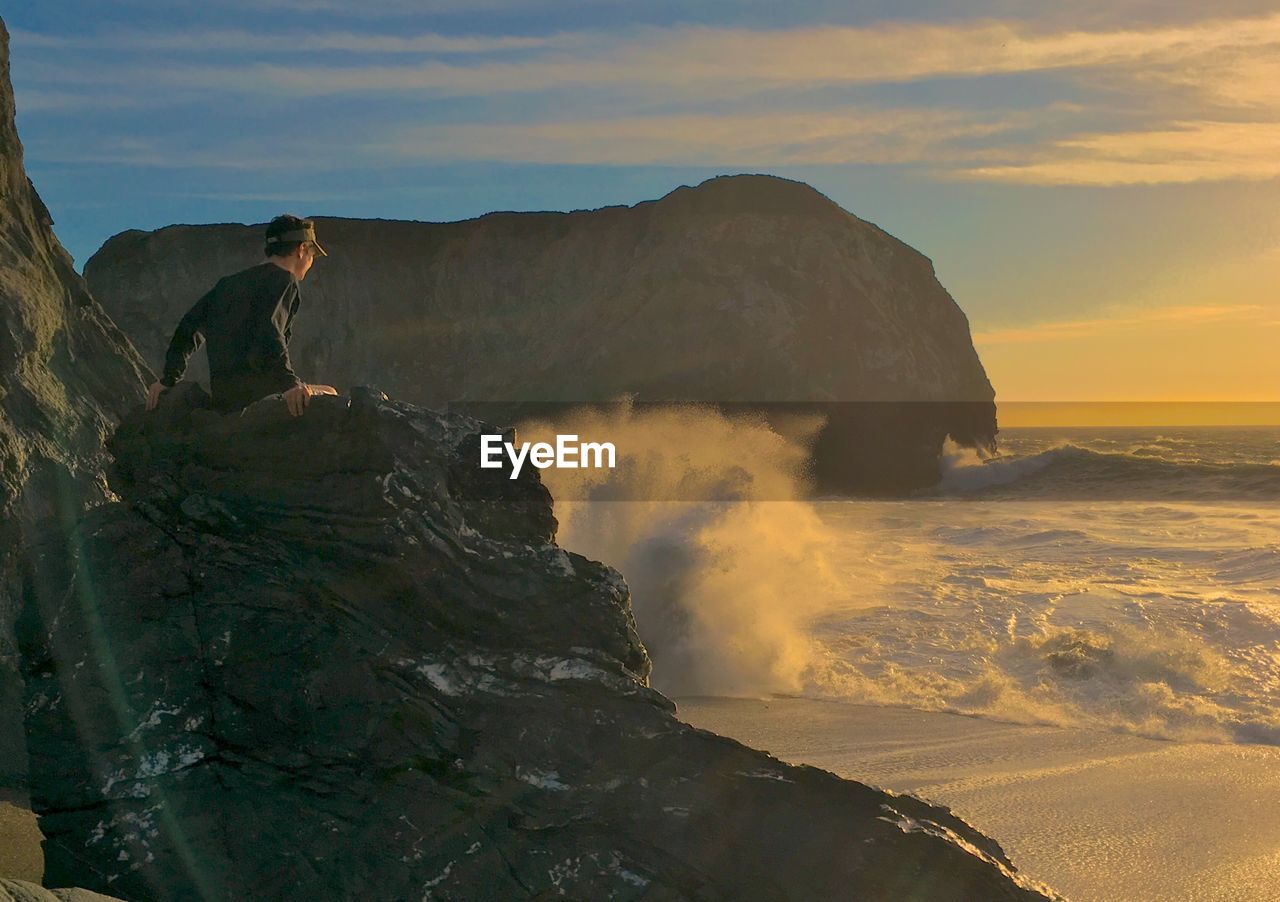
(246, 321)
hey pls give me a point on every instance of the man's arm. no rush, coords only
(274, 334)
(186, 338)
(271, 344)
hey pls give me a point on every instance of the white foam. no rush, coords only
(967, 470)
(1146, 620)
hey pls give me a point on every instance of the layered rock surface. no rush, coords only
(23, 891)
(328, 658)
(743, 289)
(67, 375)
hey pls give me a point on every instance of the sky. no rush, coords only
(1097, 184)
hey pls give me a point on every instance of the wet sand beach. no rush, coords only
(1096, 815)
(20, 856)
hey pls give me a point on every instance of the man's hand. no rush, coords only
(153, 395)
(296, 398)
(299, 396)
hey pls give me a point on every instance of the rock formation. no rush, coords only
(329, 658)
(743, 289)
(22, 891)
(67, 375)
(326, 658)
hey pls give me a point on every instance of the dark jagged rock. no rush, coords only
(300, 660)
(742, 289)
(67, 375)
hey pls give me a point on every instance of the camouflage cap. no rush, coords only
(304, 231)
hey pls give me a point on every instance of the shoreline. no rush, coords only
(20, 855)
(1095, 815)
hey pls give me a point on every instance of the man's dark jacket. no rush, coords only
(245, 322)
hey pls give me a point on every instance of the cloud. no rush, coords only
(42, 101)
(848, 135)
(170, 152)
(1090, 328)
(693, 55)
(286, 41)
(823, 55)
(285, 197)
(398, 8)
(675, 94)
(364, 10)
(1187, 152)
(23, 38)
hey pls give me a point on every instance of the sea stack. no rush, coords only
(745, 290)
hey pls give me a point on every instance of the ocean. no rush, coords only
(1119, 579)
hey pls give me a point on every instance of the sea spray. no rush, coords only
(722, 590)
(967, 469)
(1159, 620)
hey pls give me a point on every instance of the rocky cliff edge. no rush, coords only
(67, 376)
(318, 658)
